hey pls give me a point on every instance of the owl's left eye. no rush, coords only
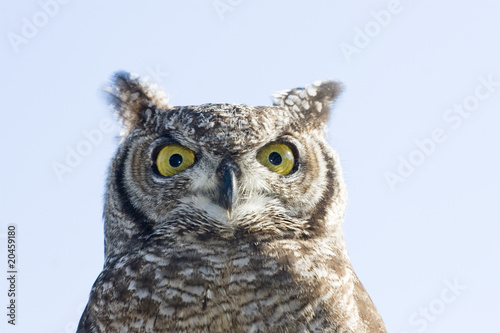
(277, 157)
(172, 159)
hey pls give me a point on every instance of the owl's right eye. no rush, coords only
(172, 159)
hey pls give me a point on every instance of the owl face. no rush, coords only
(224, 170)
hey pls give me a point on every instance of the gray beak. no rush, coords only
(228, 190)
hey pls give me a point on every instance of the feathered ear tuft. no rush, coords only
(134, 99)
(309, 106)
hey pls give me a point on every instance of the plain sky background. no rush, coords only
(406, 79)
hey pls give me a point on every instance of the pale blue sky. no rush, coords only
(421, 70)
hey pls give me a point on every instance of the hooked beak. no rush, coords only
(228, 189)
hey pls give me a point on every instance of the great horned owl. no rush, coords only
(226, 218)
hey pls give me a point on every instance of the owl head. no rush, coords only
(222, 171)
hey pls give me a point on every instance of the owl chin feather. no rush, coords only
(243, 212)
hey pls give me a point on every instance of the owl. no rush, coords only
(225, 218)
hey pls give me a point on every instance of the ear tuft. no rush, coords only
(133, 100)
(310, 104)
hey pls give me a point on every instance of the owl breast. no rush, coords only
(217, 288)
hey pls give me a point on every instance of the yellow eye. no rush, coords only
(277, 157)
(173, 159)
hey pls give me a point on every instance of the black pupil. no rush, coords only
(275, 158)
(175, 160)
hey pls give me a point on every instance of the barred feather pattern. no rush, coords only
(176, 261)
